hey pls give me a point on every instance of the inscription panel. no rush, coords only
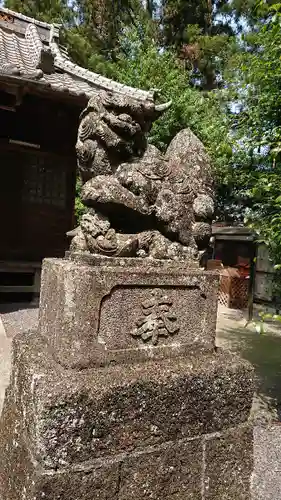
(103, 314)
(138, 317)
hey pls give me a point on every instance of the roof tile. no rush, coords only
(21, 46)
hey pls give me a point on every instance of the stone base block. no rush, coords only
(97, 311)
(174, 429)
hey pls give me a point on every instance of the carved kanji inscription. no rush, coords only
(158, 318)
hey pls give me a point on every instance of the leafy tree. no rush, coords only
(98, 38)
(201, 33)
(101, 22)
(56, 11)
(255, 83)
(149, 68)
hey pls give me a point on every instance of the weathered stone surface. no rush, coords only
(266, 481)
(201, 233)
(96, 314)
(15, 463)
(161, 429)
(229, 465)
(121, 393)
(105, 190)
(138, 189)
(98, 483)
(79, 242)
(173, 472)
(94, 224)
(203, 207)
(71, 417)
(22, 477)
(187, 150)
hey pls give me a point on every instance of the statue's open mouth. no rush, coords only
(125, 220)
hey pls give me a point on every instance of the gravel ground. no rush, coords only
(266, 479)
(18, 318)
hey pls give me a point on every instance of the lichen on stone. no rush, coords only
(140, 203)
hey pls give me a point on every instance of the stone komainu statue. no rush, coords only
(140, 203)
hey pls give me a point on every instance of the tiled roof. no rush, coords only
(30, 51)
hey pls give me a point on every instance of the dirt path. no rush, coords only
(264, 353)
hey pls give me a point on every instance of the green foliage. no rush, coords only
(203, 113)
(256, 84)
(193, 30)
(56, 11)
(79, 207)
(101, 22)
(179, 14)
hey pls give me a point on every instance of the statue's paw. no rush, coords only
(94, 224)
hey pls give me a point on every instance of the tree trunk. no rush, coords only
(150, 7)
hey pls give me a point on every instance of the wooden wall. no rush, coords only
(264, 275)
(37, 186)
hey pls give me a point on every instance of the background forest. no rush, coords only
(220, 62)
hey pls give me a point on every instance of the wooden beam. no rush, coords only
(24, 144)
(242, 237)
(9, 82)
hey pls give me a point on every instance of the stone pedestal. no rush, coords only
(97, 311)
(121, 393)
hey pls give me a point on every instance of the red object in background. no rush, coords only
(243, 265)
(244, 272)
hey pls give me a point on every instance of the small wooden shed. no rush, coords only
(235, 248)
(42, 93)
(236, 245)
